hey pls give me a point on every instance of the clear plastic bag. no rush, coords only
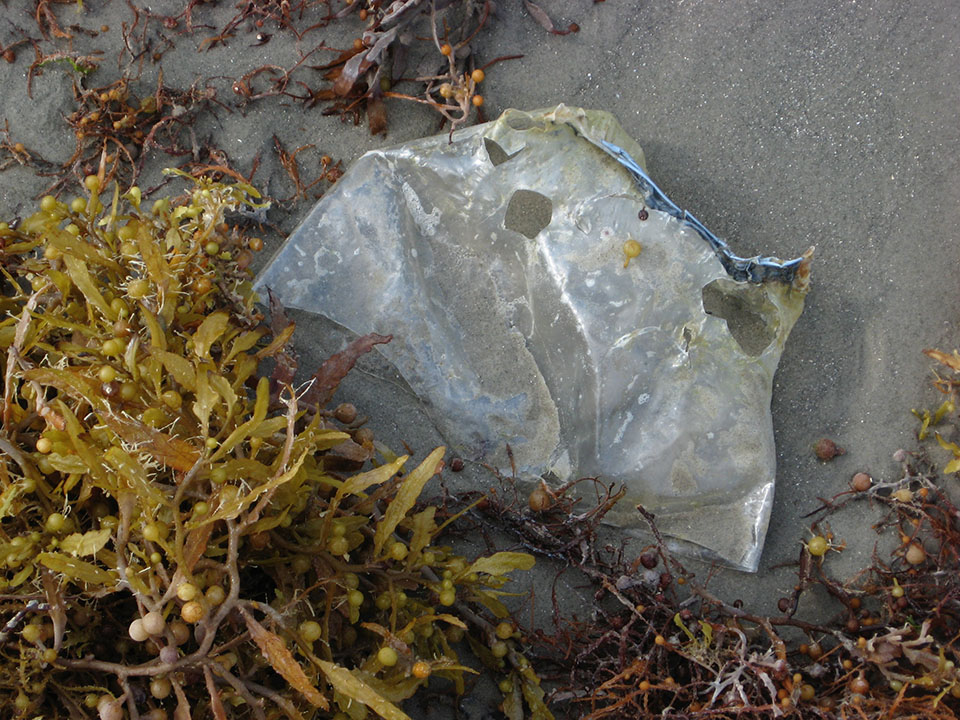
(503, 260)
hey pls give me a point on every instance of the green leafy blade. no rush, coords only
(406, 497)
(346, 683)
(501, 563)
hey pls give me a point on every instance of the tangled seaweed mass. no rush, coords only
(659, 644)
(183, 533)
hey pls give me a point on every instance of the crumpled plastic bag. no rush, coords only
(503, 261)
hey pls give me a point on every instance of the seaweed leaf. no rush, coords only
(538, 14)
(424, 527)
(426, 619)
(533, 693)
(951, 361)
(501, 563)
(216, 703)
(946, 407)
(491, 603)
(210, 330)
(347, 683)
(207, 397)
(222, 386)
(678, 621)
(179, 367)
(242, 432)
(196, 545)
(158, 338)
(350, 73)
(75, 569)
(278, 343)
(335, 368)
(89, 456)
(134, 475)
(69, 381)
(512, 705)
(946, 445)
(77, 269)
(406, 497)
(158, 271)
(377, 115)
(243, 342)
(8, 499)
(358, 483)
(283, 662)
(88, 543)
(71, 245)
(281, 327)
(165, 449)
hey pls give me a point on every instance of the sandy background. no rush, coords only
(818, 123)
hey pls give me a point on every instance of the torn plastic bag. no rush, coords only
(503, 260)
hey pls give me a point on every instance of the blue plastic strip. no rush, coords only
(756, 269)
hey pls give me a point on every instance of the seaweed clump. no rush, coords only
(657, 643)
(184, 536)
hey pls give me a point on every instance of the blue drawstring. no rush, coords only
(756, 269)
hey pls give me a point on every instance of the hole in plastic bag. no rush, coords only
(749, 314)
(497, 154)
(528, 213)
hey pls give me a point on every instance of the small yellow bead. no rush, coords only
(818, 546)
(187, 591)
(310, 630)
(387, 656)
(192, 612)
(631, 248)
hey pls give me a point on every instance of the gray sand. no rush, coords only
(822, 123)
